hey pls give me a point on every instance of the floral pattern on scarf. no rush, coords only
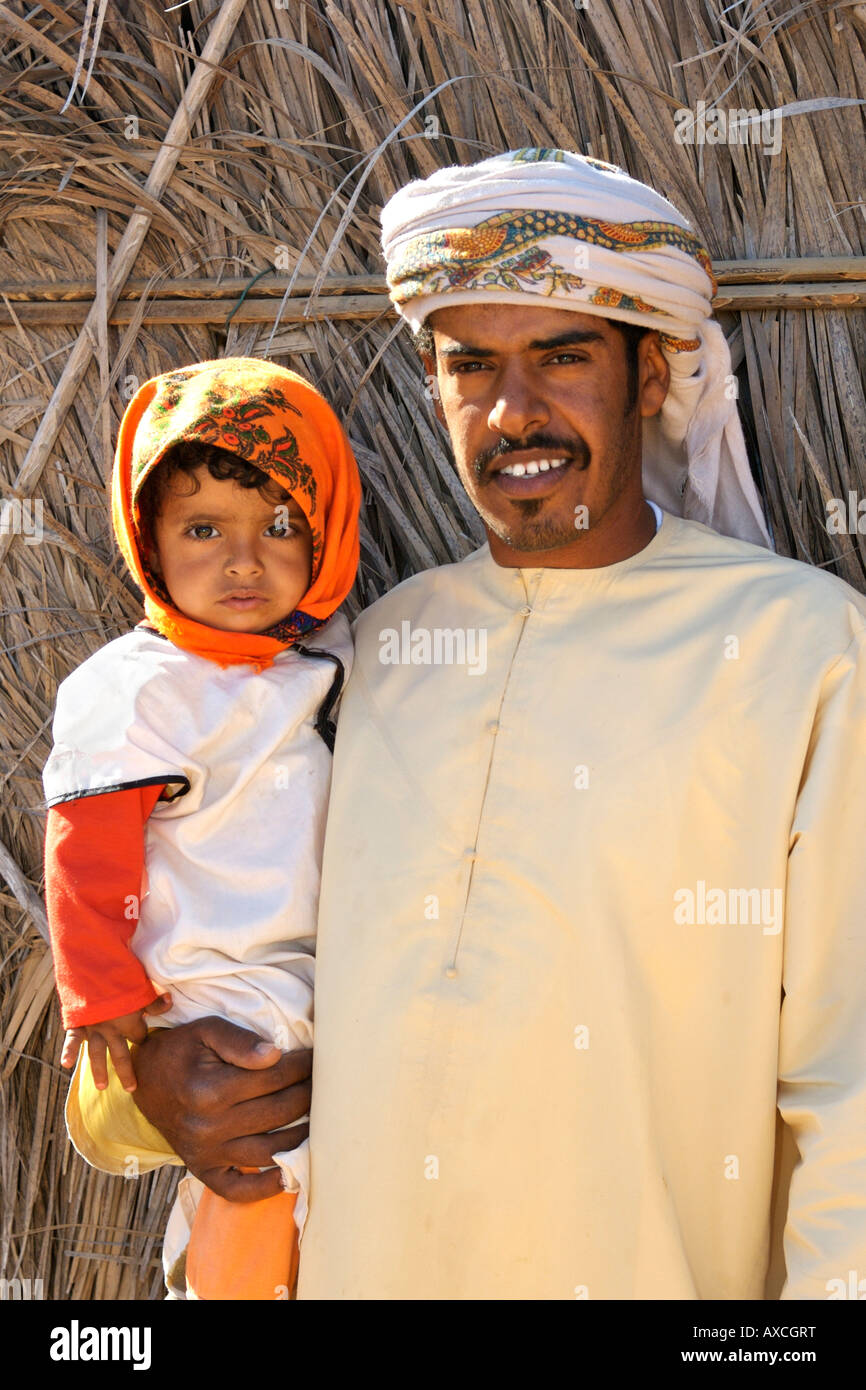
(279, 423)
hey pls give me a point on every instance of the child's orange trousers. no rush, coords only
(243, 1250)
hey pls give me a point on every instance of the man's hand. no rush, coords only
(215, 1092)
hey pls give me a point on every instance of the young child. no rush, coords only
(188, 782)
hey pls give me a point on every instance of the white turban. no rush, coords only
(583, 235)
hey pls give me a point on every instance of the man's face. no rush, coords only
(230, 558)
(542, 393)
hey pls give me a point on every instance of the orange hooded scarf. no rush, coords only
(275, 420)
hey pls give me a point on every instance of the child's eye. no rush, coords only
(282, 528)
(202, 526)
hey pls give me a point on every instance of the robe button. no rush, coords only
(451, 972)
(525, 611)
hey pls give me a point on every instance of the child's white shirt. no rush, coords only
(228, 903)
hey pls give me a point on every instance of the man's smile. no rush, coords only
(530, 473)
(533, 466)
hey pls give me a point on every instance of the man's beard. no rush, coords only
(531, 530)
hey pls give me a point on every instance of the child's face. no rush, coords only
(226, 556)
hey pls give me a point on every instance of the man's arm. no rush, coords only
(822, 1039)
(209, 1094)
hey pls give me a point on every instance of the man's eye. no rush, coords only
(459, 366)
(569, 357)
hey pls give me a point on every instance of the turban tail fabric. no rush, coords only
(275, 420)
(579, 234)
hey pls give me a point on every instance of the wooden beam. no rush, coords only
(786, 270)
(71, 313)
(216, 311)
(840, 294)
(205, 288)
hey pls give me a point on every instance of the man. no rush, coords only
(595, 814)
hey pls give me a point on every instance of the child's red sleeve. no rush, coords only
(94, 857)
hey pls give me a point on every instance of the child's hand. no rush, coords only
(111, 1035)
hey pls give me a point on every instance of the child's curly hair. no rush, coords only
(182, 459)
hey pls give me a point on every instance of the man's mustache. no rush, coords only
(575, 449)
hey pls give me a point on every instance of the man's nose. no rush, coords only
(518, 410)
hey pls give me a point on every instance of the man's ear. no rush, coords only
(432, 380)
(654, 374)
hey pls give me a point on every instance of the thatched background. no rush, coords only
(306, 95)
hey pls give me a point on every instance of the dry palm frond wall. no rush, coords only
(300, 132)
